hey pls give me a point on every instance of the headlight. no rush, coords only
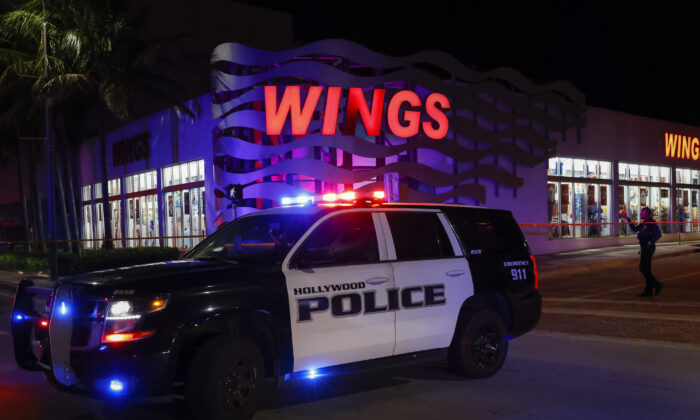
(124, 318)
(120, 308)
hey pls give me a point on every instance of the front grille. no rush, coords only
(87, 313)
(88, 320)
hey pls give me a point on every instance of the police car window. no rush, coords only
(418, 235)
(347, 238)
(494, 232)
(264, 238)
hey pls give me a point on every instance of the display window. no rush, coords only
(643, 173)
(578, 209)
(93, 213)
(634, 198)
(185, 210)
(638, 191)
(142, 209)
(687, 209)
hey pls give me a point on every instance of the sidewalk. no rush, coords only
(592, 260)
(10, 279)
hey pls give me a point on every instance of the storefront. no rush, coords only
(649, 166)
(159, 169)
(333, 116)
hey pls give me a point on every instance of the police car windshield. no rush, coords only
(264, 238)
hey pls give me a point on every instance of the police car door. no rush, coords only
(337, 280)
(432, 274)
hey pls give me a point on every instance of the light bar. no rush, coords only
(345, 198)
(348, 195)
(302, 199)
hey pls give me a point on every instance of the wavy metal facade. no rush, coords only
(499, 121)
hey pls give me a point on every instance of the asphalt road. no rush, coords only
(618, 370)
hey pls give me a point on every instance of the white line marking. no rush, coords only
(632, 315)
(621, 302)
(621, 340)
(696, 273)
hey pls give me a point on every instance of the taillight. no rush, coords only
(534, 268)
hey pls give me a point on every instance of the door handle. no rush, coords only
(455, 273)
(377, 280)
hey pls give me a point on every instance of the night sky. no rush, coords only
(626, 57)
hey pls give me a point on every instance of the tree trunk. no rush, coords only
(76, 246)
(62, 201)
(38, 212)
(22, 197)
(108, 244)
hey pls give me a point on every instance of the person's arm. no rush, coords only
(635, 228)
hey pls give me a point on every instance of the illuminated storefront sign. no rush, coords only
(131, 149)
(406, 124)
(682, 147)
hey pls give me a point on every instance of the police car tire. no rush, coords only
(472, 351)
(210, 374)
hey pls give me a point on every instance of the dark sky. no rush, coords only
(628, 57)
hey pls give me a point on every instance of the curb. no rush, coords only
(608, 265)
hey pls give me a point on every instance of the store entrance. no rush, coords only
(634, 198)
(580, 210)
(142, 223)
(687, 208)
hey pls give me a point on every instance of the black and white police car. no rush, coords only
(301, 291)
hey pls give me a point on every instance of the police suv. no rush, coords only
(302, 291)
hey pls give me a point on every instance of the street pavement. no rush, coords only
(546, 376)
(599, 351)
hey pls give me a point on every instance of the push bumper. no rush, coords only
(58, 331)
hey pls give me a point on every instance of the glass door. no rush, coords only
(694, 209)
(685, 210)
(553, 208)
(115, 207)
(87, 226)
(566, 214)
(579, 209)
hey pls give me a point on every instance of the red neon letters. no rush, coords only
(403, 125)
(682, 147)
(291, 101)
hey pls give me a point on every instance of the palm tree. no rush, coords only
(94, 56)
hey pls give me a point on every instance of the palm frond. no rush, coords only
(21, 23)
(115, 95)
(9, 56)
(62, 87)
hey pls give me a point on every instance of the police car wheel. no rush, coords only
(480, 345)
(225, 379)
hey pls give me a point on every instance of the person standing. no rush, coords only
(648, 233)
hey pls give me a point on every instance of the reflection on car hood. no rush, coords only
(168, 275)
